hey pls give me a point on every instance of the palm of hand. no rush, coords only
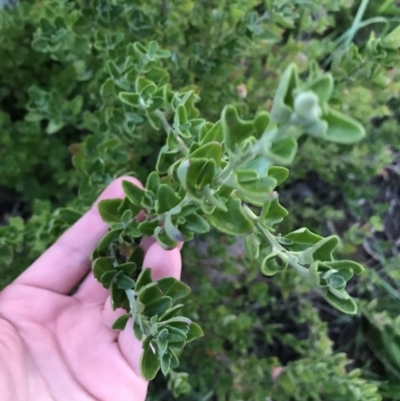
(60, 347)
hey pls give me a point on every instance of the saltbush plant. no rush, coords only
(206, 111)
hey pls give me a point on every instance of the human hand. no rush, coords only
(59, 347)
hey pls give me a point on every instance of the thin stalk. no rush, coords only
(168, 127)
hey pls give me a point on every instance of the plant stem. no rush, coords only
(232, 165)
(168, 127)
(278, 247)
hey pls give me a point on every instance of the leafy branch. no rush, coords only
(222, 175)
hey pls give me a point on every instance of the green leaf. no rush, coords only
(280, 174)
(343, 129)
(166, 363)
(164, 240)
(109, 277)
(302, 239)
(133, 192)
(167, 199)
(283, 101)
(143, 279)
(174, 360)
(323, 249)
(171, 230)
(158, 307)
(346, 305)
(125, 283)
(259, 164)
(392, 40)
(149, 293)
(200, 173)
(261, 123)
(261, 188)
(137, 256)
(234, 129)
(194, 332)
(214, 134)
(274, 213)
(149, 364)
(153, 182)
(252, 246)
(162, 341)
(196, 224)
(283, 151)
(137, 330)
(173, 288)
(211, 150)
(102, 265)
(171, 312)
(234, 221)
(274, 263)
(109, 210)
(148, 227)
(121, 322)
(357, 268)
(132, 99)
(177, 336)
(118, 297)
(322, 86)
(128, 268)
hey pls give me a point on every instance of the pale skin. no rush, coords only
(58, 347)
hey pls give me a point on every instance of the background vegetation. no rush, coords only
(64, 136)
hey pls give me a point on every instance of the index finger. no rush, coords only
(66, 262)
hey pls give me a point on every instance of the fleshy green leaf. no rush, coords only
(149, 364)
(167, 199)
(261, 123)
(102, 265)
(194, 332)
(322, 87)
(274, 263)
(252, 246)
(173, 288)
(357, 268)
(323, 249)
(166, 363)
(196, 224)
(235, 130)
(118, 297)
(302, 239)
(143, 279)
(346, 305)
(343, 129)
(211, 150)
(125, 283)
(153, 182)
(133, 192)
(132, 99)
(149, 293)
(392, 40)
(282, 152)
(283, 101)
(121, 322)
(280, 174)
(234, 221)
(158, 307)
(109, 210)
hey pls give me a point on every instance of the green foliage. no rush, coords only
(187, 105)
